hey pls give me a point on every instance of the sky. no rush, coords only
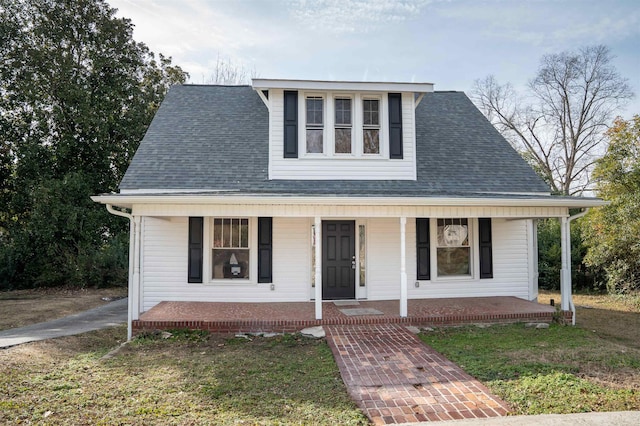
(450, 43)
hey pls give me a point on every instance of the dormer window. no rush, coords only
(371, 126)
(315, 124)
(343, 125)
(324, 130)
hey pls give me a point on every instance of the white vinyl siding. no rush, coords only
(354, 167)
(383, 249)
(164, 266)
(510, 266)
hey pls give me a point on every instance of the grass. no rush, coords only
(594, 366)
(190, 378)
(25, 307)
(196, 378)
(612, 317)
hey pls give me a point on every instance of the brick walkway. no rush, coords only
(395, 378)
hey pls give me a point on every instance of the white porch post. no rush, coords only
(565, 271)
(403, 268)
(136, 269)
(132, 239)
(318, 271)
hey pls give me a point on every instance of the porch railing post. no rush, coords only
(318, 271)
(403, 267)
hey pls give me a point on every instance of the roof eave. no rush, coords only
(370, 86)
(128, 200)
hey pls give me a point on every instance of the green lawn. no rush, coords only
(195, 378)
(189, 379)
(562, 369)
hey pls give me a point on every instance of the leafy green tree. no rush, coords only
(76, 96)
(614, 232)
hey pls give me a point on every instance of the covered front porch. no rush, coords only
(289, 317)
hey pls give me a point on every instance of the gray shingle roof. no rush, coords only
(216, 138)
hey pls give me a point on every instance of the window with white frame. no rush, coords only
(371, 126)
(338, 124)
(230, 248)
(315, 124)
(343, 125)
(453, 251)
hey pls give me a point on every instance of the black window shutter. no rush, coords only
(395, 126)
(290, 124)
(423, 258)
(486, 252)
(195, 249)
(265, 249)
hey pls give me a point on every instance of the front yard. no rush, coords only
(194, 378)
(594, 366)
(191, 378)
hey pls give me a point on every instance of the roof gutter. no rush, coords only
(133, 234)
(128, 200)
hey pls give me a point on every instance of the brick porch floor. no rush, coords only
(395, 378)
(294, 316)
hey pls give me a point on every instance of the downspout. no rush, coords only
(571, 218)
(132, 233)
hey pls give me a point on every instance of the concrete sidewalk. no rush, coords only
(617, 418)
(109, 315)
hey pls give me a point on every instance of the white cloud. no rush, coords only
(354, 16)
(193, 32)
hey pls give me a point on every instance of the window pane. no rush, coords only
(314, 140)
(226, 232)
(235, 232)
(244, 233)
(453, 261)
(217, 232)
(343, 111)
(230, 263)
(343, 141)
(371, 141)
(453, 233)
(362, 254)
(314, 111)
(371, 112)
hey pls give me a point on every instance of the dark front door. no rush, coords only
(338, 259)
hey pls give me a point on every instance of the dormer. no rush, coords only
(340, 130)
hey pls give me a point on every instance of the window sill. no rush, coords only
(457, 278)
(235, 283)
(367, 157)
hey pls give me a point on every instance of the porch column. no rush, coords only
(403, 267)
(132, 239)
(136, 268)
(565, 271)
(318, 272)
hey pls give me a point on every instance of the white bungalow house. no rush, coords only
(300, 191)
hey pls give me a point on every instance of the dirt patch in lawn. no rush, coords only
(189, 378)
(612, 317)
(25, 307)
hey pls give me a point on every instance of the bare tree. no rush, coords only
(559, 124)
(227, 72)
